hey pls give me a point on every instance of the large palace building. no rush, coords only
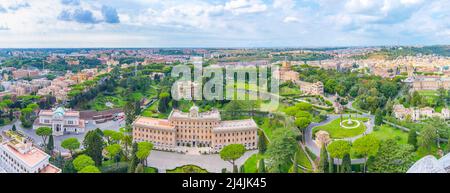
(195, 129)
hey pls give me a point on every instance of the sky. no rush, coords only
(222, 23)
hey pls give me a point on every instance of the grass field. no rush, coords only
(251, 164)
(387, 132)
(337, 132)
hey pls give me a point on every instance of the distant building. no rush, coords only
(286, 74)
(431, 83)
(195, 129)
(187, 90)
(23, 157)
(61, 121)
(415, 114)
(311, 88)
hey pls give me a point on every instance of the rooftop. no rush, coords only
(31, 158)
(236, 125)
(152, 122)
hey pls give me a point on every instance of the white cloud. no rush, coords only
(291, 19)
(245, 6)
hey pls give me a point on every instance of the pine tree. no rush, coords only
(50, 144)
(261, 166)
(323, 163)
(14, 128)
(412, 138)
(346, 164)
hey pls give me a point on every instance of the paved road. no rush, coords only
(111, 125)
(212, 162)
(309, 141)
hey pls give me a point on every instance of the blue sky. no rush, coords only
(223, 23)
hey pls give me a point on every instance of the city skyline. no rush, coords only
(222, 23)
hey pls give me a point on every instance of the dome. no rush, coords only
(58, 113)
(428, 164)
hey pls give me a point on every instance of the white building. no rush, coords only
(22, 157)
(61, 121)
(415, 114)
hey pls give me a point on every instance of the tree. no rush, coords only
(378, 117)
(232, 152)
(302, 122)
(139, 168)
(89, 169)
(337, 149)
(108, 134)
(44, 132)
(130, 112)
(93, 144)
(281, 150)
(392, 158)
(412, 138)
(346, 164)
(261, 166)
(144, 149)
(295, 164)
(50, 145)
(14, 128)
(428, 136)
(164, 99)
(323, 162)
(366, 146)
(134, 160)
(331, 165)
(127, 141)
(113, 150)
(82, 161)
(262, 147)
(70, 144)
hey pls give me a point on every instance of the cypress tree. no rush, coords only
(323, 163)
(134, 160)
(262, 147)
(346, 164)
(331, 165)
(93, 143)
(242, 169)
(14, 128)
(378, 117)
(412, 138)
(50, 144)
(261, 166)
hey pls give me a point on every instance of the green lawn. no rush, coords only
(251, 164)
(338, 132)
(302, 159)
(387, 132)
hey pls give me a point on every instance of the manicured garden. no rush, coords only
(336, 131)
